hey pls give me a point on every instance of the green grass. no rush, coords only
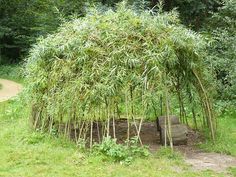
(0, 86)
(226, 136)
(25, 152)
(11, 72)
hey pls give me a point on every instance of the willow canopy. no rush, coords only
(115, 64)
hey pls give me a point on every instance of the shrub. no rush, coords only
(121, 153)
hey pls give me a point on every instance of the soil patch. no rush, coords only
(210, 161)
(9, 89)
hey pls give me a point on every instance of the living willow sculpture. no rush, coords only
(112, 64)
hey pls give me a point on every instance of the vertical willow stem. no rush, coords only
(98, 131)
(104, 129)
(91, 134)
(81, 130)
(85, 131)
(108, 127)
(75, 132)
(114, 127)
(127, 115)
(36, 120)
(65, 128)
(139, 130)
(167, 117)
(165, 131)
(208, 107)
(108, 118)
(168, 121)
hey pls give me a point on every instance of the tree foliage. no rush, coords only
(193, 13)
(222, 27)
(22, 21)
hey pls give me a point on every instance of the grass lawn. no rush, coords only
(28, 153)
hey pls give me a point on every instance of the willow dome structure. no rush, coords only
(115, 64)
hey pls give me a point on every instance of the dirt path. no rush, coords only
(200, 160)
(210, 161)
(9, 89)
(196, 158)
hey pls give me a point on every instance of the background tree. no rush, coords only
(193, 13)
(221, 27)
(22, 21)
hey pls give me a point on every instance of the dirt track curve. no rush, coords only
(9, 89)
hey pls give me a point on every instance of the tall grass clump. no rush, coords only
(116, 64)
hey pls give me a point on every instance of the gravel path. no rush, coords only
(9, 89)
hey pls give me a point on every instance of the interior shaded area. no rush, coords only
(150, 135)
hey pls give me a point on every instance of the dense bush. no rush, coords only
(114, 64)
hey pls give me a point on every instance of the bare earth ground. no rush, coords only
(200, 160)
(150, 136)
(9, 89)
